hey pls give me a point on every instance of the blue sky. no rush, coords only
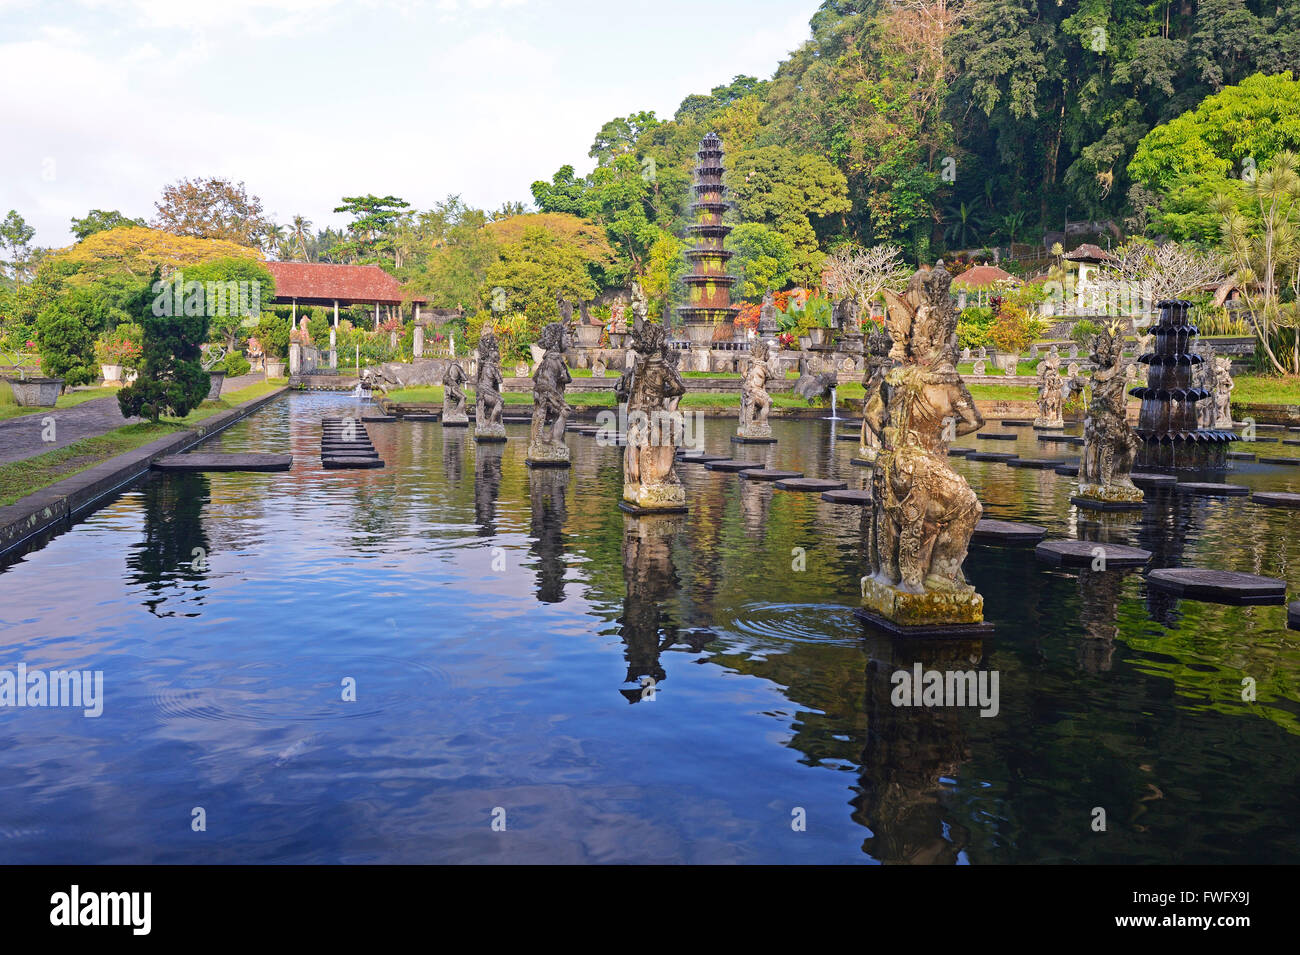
(105, 101)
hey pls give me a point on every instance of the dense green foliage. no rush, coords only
(172, 380)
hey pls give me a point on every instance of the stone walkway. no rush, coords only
(20, 437)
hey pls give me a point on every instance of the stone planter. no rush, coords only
(275, 368)
(805, 342)
(215, 380)
(36, 392)
(589, 335)
(819, 336)
(618, 340)
(699, 334)
(112, 373)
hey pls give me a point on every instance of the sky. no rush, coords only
(106, 101)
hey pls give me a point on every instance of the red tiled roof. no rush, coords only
(1089, 253)
(321, 283)
(981, 276)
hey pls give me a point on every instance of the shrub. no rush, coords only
(172, 378)
(66, 330)
(273, 333)
(236, 364)
(1014, 330)
(1083, 331)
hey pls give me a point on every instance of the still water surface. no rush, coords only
(503, 627)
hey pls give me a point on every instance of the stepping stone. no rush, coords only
(1059, 438)
(731, 465)
(770, 474)
(737, 439)
(700, 458)
(1078, 441)
(516, 419)
(1291, 441)
(224, 462)
(997, 436)
(1073, 553)
(1146, 479)
(852, 436)
(351, 462)
(990, 456)
(421, 417)
(1293, 616)
(1291, 461)
(862, 463)
(1218, 586)
(1007, 532)
(350, 453)
(1210, 489)
(858, 498)
(1276, 498)
(810, 484)
(960, 452)
(1016, 423)
(1068, 470)
(1040, 464)
(369, 418)
(1270, 427)
(1241, 456)
(588, 429)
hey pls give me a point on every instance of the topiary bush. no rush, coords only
(172, 379)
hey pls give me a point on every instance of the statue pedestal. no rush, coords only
(1109, 497)
(546, 454)
(453, 420)
(490, 432)
(904, 611)
(700, 358)
(866, 456)
(753, 435)
(653, 499)
(1044, 424)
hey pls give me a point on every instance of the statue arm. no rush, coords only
(968, 417)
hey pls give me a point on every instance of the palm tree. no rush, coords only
(1012, 223)
(963, 226)
(300, 233)
(273, 237)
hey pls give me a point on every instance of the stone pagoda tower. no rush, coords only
(708, 285)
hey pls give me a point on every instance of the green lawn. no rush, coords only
(1266, 389)
(9, 408)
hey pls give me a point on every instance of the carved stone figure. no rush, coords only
(453, 395)
(1109, 441)
(767, 325)
(755, 402)
(873, 379)
(1203, 377)
(1223, 386)
(640, 306)
(1049, 394)
(488, 401)
(546, 447)
(651, 391)
(923, 512)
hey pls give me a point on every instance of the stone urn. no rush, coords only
(215, 380)
(112, 374)
(805, 342)
(819, 337)
(701, 334)
(36, 392)
(274, 368)
(589, 335)
(618, 340)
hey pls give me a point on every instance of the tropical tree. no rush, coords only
(212, 208)
(99, 220)
(16, 236)
(763, 259)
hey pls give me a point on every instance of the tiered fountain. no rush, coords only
(708, 285)
(1167, 421)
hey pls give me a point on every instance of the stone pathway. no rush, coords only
(21, 437)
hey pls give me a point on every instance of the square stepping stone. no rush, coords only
(1276, 498)
(810, 484)
(852, 436)
(1075, 553)
(1241, 456)
(731, 465)
(700, 458)
(224, 462)
(1067, 470)
(351, 462)
(862, 463)
(770, 474)
(1002, 456)
(1057, 438)
(960, 452)
(997, 436)
(857, 498)
(370, 418)
(1210, 489)
(1146, 479)
(1040, 464)
(737, 439)
(1016, 423)
(1291, 462)
(1218, 586)
(990, 531)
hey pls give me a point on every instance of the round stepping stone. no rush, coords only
(1072, 553)
(700, 458)
(844, 496)
(1293, 616)
(997, 436)
(352, 462)
(1068, 470)
(810, 484)
(960, 452)
(1210, 489)
(1218, 586)
(1007, 532)
(990, 456)
(1146, 479)
(1059, 438)
(1291, 461)
(730, 465)
(770, 474)
(1040, 464)
(1241, 456)
(1276, 498)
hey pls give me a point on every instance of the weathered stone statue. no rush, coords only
(453, 396)
(873, 378)
(755, 402)
(546, 447)
(1109, 441)
(767, 325)
(651, 392)
(640, 306)
(1203, 377)
(923, 512)
(1049, 394)
(1222, 389)
(488, 401)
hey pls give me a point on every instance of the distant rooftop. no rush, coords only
(317, 283)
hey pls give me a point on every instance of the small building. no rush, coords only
(981, 279)
(319, 283)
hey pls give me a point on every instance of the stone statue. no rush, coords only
(923, 512)
(640, 307)
(1049, 394)
(488, 401)
(1109, 443)
(873, 378)
(546, 447)
(767, 325)
(565, 309)
(651, 390)
(755, 402)
(453, 395)
(1223, 386)
(1203, 377)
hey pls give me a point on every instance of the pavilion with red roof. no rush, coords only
(318, 283)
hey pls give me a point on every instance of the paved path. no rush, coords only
(21, 437)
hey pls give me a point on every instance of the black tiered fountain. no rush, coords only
(708, 286)
(1167, 421)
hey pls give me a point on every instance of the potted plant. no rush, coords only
(117, 353)
(273, 333)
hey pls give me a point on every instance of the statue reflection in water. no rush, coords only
(648, 626)
(175, 546)
(453, 455)
(910, 749)
(487, 486)
(546, 489)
